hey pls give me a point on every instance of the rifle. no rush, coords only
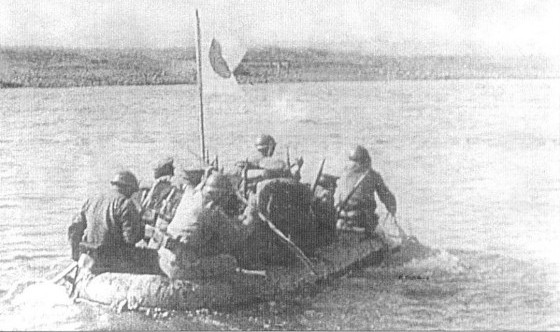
(350, 194)
(318, 177)
(245, 178)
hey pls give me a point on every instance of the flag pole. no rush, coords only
(199, 79)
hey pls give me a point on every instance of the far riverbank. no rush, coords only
(58, 67)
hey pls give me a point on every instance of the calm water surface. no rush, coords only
(475, 166)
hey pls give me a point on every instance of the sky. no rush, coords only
(406, 27)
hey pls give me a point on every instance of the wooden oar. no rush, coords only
(64, 272)
(295, 249)
(402, 233)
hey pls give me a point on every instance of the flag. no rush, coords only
(217, 61)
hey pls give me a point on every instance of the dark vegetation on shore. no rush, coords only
(57, 67)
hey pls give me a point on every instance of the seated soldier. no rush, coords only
(286, 203)
(199, 240)
(265, 145)
(107, 229)
(357, 207)
(270, 168)
(160, 202)
(323, 206)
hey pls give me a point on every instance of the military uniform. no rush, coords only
(161, 200)
(287, 204)
(110, 225)
(199, 240)
(323, 206)
(359, 210)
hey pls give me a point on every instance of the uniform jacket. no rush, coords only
(108, 220)
(205, 229)
(364, 196)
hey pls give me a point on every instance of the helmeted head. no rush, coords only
(360, 155)
(126, 182)
(164, 167)
(265, 144)
(216, 187)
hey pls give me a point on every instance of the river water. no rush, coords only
(475, 166)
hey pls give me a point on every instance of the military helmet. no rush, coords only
(264, 141)
(125, 179)
(217, 182)
(163, 167)
(359, 154)
(165, 162)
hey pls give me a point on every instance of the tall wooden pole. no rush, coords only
(199, 79)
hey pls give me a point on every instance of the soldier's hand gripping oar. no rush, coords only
(295, 249)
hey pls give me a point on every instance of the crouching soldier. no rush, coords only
(161, 200)
(204, 232)
(323, 207)
(286, 204)
(356, 201)
(107, 229)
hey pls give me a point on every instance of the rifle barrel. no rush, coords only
(351, 193)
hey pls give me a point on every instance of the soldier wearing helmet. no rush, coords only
(204, 232)
(358, 209)
(160, 200)
(323, 205)
(265, 145)
(109, 224)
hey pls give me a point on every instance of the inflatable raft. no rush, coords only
(155, 291)
(345, 251)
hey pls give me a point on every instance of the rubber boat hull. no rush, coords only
(155, 291)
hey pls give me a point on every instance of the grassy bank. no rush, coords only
(44, 67)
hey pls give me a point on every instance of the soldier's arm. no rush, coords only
(76, 232)
(384, 193)
(132, 226)
(77, 227)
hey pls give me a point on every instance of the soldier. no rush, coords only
(265, 145)
(358, 210)
(109, 225)
(161, 200)
(323, 206)
(204, 232)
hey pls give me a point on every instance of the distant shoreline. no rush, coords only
(50, 68)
